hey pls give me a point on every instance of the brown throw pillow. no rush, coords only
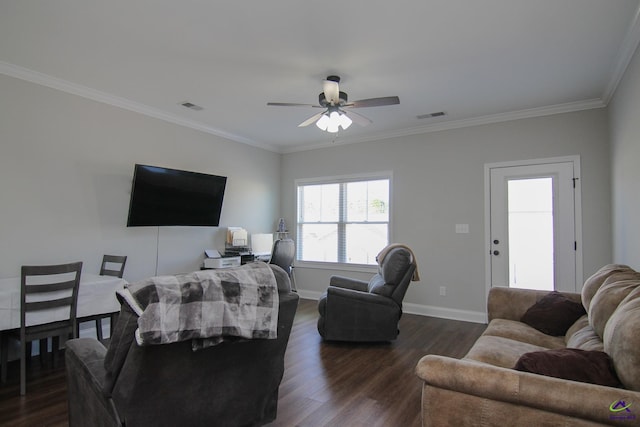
(595, 367)
(553, 314)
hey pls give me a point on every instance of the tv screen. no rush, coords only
(162, 196)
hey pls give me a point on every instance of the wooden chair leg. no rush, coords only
(44, 350)
(55, 345)
(23, 368)
(4, 356)
(99, 329)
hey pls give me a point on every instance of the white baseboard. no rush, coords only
(422, 310)
(445, 313)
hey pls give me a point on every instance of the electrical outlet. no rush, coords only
(443, 291)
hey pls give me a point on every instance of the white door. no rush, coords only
(532, 225)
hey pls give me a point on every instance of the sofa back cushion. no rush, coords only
(593, 283)
(582, 336)
(614, 289)
(622, 340)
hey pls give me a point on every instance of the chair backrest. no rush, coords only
(107, 260)
(394, 275)
(49, 287)
(283, 253)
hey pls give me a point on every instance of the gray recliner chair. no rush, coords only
(356, 310)
(234, 383)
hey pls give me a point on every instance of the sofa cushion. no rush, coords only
(584, 338)
(608, 297)
(573, 364)
(593, 283)
(499, 351)
(622, 340)
(553, 314)
(519, 331)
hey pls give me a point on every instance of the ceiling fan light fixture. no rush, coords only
(334, 122)
(345, 121)
(323, 122)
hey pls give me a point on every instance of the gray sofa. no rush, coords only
(230, 384)
(484, 389)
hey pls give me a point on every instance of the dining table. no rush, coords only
(96, 296)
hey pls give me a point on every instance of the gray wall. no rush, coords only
(625, 166)
(66, 166)
(438, 182)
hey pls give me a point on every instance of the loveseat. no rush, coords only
(485, 389)
(232, 383)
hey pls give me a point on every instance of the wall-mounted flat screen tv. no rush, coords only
(164, 197)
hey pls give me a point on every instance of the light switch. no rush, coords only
(462, 228)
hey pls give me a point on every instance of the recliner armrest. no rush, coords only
(86, 357)
(360, 296)
(88, 404)
(349, 283)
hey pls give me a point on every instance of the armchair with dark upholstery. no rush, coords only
(234, 383)
(356, 310)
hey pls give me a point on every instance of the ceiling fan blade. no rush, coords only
(289, 104)
(374, 102)
(310, 120)
(331, 92)
(358, 118)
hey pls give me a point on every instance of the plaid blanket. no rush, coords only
(207, 307)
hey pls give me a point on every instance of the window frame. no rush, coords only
(341, 179)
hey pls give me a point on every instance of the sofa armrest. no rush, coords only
(349, 283)
(88, 404)
(512, 303)
(543, 395)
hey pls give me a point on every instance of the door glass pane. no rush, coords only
(530, 208)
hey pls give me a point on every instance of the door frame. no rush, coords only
(577, 194)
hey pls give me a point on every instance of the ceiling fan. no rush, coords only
(338, 111)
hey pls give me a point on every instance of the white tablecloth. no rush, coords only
(96, 295)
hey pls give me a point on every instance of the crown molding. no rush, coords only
(463, 123)
(623, 58)
(42, 79)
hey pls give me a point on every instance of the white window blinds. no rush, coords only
(343, 220)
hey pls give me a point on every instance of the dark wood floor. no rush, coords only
(325, 384)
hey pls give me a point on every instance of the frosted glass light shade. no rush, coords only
(323, 122)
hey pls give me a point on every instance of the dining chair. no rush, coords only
(50, 288)
(108, 261)
(112, 265)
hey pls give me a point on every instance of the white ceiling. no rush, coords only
(480, 61)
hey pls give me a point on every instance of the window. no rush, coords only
(343, 220)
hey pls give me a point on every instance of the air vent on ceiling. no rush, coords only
(191, 105)
(431, 115)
